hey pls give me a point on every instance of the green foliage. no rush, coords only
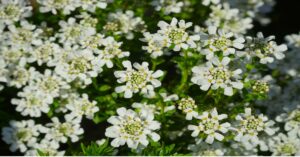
(157, 149)
(95, 149)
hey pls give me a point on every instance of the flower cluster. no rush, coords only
(147, 77)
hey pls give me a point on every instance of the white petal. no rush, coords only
(209, 139)
(228, 91)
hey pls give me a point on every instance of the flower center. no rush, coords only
(253, 124)
(221, 43)
(10, 11)
(176, 34)
(49, 84)
(138, 79)
(133, 127)
(210, 124)
(260, 87)
(23, 134)
(65, 128)
(79, 65)
(220, 74)
(186, 103)
(297, 116)
(287, 149)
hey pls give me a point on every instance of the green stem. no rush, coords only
(185, 73)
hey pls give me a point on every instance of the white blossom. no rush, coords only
(208, 2)
(249, 127)
(291, 121)
(54, 6)
(32, 103)
(188, 106)
(264, 48)
(12, 11)
(168, 6)
(178, 35)
(82, 107)
(284, 145)
(138, 79)
(156, 44)
(132, 128)
(46, 147)
(20, 135)
(72, 32)
(58, 131)
(124, 23)
(210, 125)
(91, 5)
(229, 19)
(216, 74)
(111, 50)
(218, 40)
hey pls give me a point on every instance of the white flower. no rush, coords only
(153, 109)
(210, 125)
(291, 121)
(215, 74)
(13, 11)
(82, 106)
(124, 23)
(293, 40)
(13, 55)
(166, 98)
(43, 53)
(78, 64)
(249, 128)
(46, 147)
(20, 76)
(60, 131)
(20, 135)
(24, 36)
(178, 35)
(228, 19)
(66, 6)
(111, 50)
(284, 145)
(132, 128)
(168, 6)
(140, 80)
(91, 5)
(207, 2)
(49, 84)
(32, 103)
(156, 43)
(264, 48)
(218, 40)
(188, 106)
(92, 42)
(72, 32)
(203, 149)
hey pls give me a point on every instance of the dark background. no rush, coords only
(285, 19)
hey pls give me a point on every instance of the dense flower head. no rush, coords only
(138, 79)
(132, 128)
(20, 134)
(177, 34)
(215, 74)
(250, 126)
(210, 125)
(264, 48)
(218, 40)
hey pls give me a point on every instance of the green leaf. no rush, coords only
(95, 149)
